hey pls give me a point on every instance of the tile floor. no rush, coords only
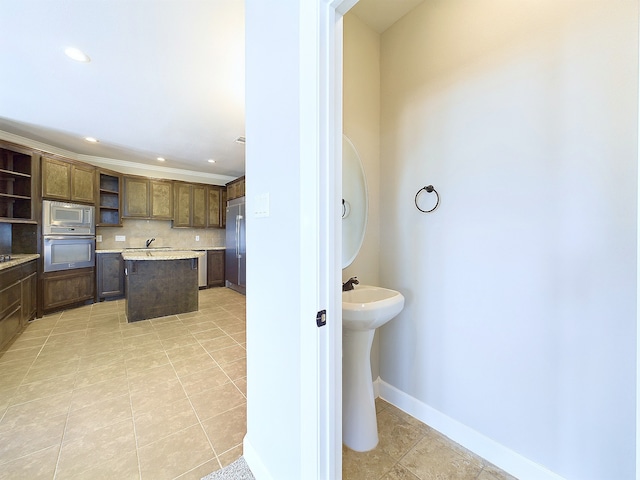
(84, 394)
(410, 450)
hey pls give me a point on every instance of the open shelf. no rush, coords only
(15, 186)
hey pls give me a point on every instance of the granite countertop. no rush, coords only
(162, 249)
(159, 254)
(18, 259)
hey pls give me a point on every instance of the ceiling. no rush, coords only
(166, 77)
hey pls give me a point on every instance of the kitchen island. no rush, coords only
(160, 283)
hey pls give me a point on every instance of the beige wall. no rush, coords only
(138, 231)
(361, 124)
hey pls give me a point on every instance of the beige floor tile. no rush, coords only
(226, 431)
(241, 383)
(102, 414)
(149, 378)
(20, 354)
(91, 376)
(101, 359)
(432, 458)
(98, 392)
(44, 388)
(180, 341)
(396, 437)
(235, 370)
(157, 395)
(398, 472)
(491, 472)
(42, 370)
(175, 455)
(40, 465)
(29, 437)
(203, 380)
(229, 354)
(143, 363)
(163, 421)
(96, 447)
(194, 364)
(185, 352)
(216, 401)
(218, 343)
(201, 470)
(120, 467)
(35, 411)
(365, 465)
(230, 456)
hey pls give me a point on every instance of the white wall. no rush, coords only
(520, 316)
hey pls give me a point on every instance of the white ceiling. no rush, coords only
(166, 77)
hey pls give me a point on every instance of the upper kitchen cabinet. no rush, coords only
(68, 181)
(148, 198)
(109, 201)
(161, 199)
(17, 184)
(190, 205)
(216, 213)
(235, 189)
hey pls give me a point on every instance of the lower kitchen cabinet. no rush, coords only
(215, 268)
(17, 299)
(109, 276)
(67, 287)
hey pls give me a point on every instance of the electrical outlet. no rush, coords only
(98, 238)
(121, 238)
(197, 238)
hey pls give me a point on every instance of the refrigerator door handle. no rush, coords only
(238, 219)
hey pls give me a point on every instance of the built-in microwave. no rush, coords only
(61, 218)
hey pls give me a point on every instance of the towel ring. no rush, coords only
(428, 189)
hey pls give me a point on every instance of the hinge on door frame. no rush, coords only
(321, 318)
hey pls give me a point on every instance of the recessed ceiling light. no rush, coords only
(77, 55)
(211, 160)
(160, 159)
(241, 140)
(91, 139)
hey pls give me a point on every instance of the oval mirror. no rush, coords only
(354, 203)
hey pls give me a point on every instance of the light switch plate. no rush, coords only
(261, 205)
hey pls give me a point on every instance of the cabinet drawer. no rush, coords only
(10, 298)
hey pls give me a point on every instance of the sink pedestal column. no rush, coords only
(359, 423)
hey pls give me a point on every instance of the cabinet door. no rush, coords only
(161, 200)
(215, 268)
(214, 212)
(198, 206)
(67, 287)
(83, 183)
(110, 275)
(56, 179)
(29, 286)
(136, 197)
(182, 205)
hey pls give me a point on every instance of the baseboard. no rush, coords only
(508, 460)
(253, 460)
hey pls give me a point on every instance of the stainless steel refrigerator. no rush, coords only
(236, 247)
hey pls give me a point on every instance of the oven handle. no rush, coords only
(69, 237)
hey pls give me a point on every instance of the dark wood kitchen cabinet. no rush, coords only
(109, 200)
(190, 205)
(17, 184)
(217, 206)
(17, 299)
(67, 287)
(67, 181)
(109, 276)
(148, 198)
(215, 268)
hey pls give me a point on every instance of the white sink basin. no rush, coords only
(368, 307)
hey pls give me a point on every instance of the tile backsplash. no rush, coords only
(136, 233)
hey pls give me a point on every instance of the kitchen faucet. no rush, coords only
(349, 284)
(149, 241)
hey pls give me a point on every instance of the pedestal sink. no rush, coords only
(363, 310)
